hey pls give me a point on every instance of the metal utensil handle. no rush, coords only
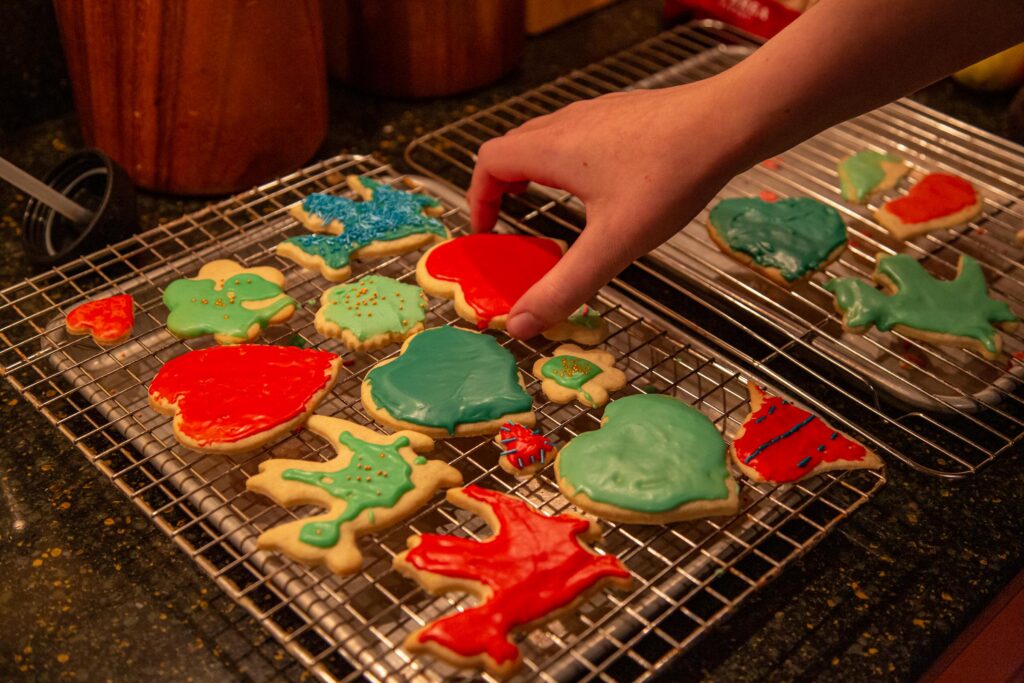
(47, 195)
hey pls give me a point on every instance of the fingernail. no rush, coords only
(524, 325)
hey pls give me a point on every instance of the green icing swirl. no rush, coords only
(960, 307)
(652, 455)
(197, 307)
(863, 172)
(447, 376)
(375, 305)
(362, 484)
(570, 371)
(795, 235)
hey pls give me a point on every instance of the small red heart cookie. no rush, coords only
(110, 320)
(938, 200)
(486, 273)
(230, 399)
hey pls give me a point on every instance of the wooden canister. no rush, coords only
(198, 96)
(422, 48)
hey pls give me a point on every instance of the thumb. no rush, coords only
(594, 259)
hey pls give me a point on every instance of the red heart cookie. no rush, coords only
(486, 273)
(938, 200)
(230, 399)
(110, 320)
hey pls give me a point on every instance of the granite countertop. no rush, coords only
(90, 589)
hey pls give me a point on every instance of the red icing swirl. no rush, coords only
(783, 442)
(533, 565)
(109, 319)
(494, 270)
(226, 393)
(935, 196)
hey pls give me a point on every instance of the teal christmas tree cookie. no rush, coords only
(448, 381)
(375, 482)
(786, 240)
(956, 312)
(868, 171)
(387, 222)
(228, 301)
(654, 460)
(371, 312)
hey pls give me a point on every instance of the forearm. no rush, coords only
(846, 57)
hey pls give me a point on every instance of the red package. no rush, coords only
(762, 18)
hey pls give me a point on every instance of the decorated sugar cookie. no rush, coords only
(781, 443)
(371, 313)
(939, 200)
(956, 312)
(655, 460)
(786, 240)
(109, 320)
(486, 273)
(533, 569)
(232, 399)
(574, 374)
(524, 451)
(387, 222)
(229, 301)
(447, 382)
(375, 482)
(867, 172)
(585, 326)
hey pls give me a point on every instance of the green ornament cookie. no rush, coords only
(654, 460)
(371, 313)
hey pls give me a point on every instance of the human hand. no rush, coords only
(643, 163)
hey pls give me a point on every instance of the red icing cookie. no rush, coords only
(531, 570)
(110, 320)
(523, 450)
(486, 273)
(229, 399)
(781, 443)
(938, 200)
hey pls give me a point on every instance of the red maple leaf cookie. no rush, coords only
(523, 450)
(781, 443)
(109, 320)
(231, 399)
(533, 569)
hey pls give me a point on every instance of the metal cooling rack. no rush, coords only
(951, 410)
(690, 575)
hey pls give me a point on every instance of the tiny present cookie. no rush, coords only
(524, 451)
(533, 569)
(939, 200)
(486, 273)
(233, 399)
(781, 443)
(229, 301)
(572, 373)
(868, 171)
(387, 222)
(786, 240)
(109, 320)
(375, 481)
(584, 326)
(956, 312)
(446, 382)
(371, 313)
(654, 460)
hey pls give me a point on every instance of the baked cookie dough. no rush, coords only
(939, 200)
(574, 374)
(109, 320)
(524, 451)
(867, 172)
(371, 312)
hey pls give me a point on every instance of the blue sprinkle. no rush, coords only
(760, 419)
(508, 452)
(508, 440)
(519, 461)
(771, 409)
(542, 456)
(504, 428)
(821, 448)
(834, 435)
(778, 438)
(803, 463)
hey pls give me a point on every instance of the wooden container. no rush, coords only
(422, 48)
(197, 96)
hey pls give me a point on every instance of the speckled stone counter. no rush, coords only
(90, 590)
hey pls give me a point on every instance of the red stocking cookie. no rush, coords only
(109, 320)
(938, 200)
(533, 569)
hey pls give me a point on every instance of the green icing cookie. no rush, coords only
(570, 371)
(447, 376)
(374, 305)
(795, 235)
(862, 173)
(652, 455)
(197, 307)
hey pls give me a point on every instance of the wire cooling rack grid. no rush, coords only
(689, 575)
(955, 409)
